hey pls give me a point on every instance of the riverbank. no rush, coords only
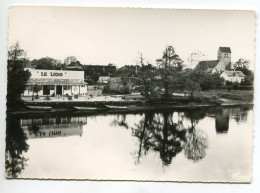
(132, 108)
(100, 104)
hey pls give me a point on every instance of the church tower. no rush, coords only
(224, 54)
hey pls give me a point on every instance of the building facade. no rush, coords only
(233, 76)
(219, 65)
(55, 82)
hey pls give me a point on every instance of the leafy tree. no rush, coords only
(195, 58)
(204, 79)
(92, 79)
(242, 63)
(243, 66)
(169, 66)
(70, 59)
(46, 63)
(146, 82)
(17, 76)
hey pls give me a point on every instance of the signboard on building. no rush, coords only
(56, 74)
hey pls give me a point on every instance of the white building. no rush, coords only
(233, 76)
(56, 82)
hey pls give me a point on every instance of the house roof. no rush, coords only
(225, 49)
(44, 81)
(122, 73)
(234, 73)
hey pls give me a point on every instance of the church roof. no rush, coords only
(207, 65)
(225, 49)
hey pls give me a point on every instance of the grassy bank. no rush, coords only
(219, 96)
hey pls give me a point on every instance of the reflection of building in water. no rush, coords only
(53, 127)
(222, 120)
(238, 114)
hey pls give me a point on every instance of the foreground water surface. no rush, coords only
(209, 144)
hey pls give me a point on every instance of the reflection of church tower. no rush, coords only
(222, 121)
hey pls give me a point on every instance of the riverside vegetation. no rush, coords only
(155, 83)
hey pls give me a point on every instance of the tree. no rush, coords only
(206, 80)
(195, 58)
(46, 63)
(70, 59)
(145, 82)
(243, 66)
(170, 59)
(169, 67)
(242, 63)
(92, 79)
(17, 76)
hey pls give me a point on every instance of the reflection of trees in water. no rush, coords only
(15, 146)
(239, 114)
(196, 145)
(158, 132)
(120, 120)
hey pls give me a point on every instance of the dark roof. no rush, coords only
(122, 73)
(225, 49)
(234, 73)
(75, 64)
(207, 65)
(44, 81)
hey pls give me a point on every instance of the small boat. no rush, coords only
(39, 108)
(116, 107)
(85, 108)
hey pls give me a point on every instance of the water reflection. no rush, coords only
(15, 147)
(48, 127)
(164, 134)
(223, 115)
(19, 130)
(161, 133)
(222, 120)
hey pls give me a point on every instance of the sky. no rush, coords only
(100, 36)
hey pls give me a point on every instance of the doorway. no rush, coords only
(58, 90)
(46, 90)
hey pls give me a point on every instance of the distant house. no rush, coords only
(233, 76)
(104, 78)
(219, 65)
(123, 76)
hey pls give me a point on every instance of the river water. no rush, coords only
(207, 144)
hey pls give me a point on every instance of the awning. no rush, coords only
(73, 82)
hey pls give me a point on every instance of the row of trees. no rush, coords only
(167, 77)
(53, 64)
(170, 76)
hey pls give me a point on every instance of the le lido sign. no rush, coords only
(51, 74)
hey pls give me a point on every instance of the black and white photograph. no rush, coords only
(130, 94)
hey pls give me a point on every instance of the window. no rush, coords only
(52, 87)
(66, 87)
